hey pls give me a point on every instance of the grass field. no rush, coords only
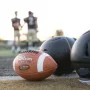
(7, 53)
(48, 84)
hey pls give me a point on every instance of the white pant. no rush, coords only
(16, 37)
(32, 35)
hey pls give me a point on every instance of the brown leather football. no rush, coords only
(34, 65)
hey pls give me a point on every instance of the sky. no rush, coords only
(72, 16)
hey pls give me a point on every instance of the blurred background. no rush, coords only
(71, 16)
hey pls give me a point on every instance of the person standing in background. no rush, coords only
(32, 29)
(59, 32)
(16, 26)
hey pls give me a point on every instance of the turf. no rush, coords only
(48, 84)
(7, 53)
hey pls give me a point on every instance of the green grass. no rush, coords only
(7, 53)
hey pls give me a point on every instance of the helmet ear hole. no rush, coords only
(89, 49)
(45, 50)
(86, 50)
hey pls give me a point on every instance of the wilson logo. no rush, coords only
(23, 58)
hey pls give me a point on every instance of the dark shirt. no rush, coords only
(15, 21)
(31, 22)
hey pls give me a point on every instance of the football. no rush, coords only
(34, 65)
